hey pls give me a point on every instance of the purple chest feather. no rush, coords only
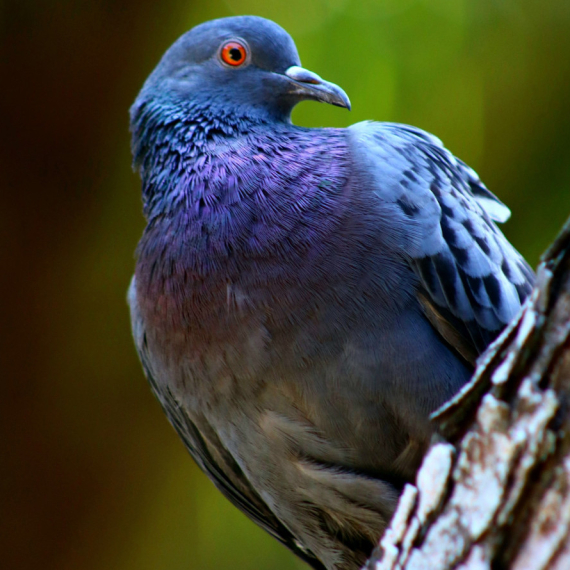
(231, 206)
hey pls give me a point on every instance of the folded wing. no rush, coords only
(473, 281)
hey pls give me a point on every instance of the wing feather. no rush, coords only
(473, 281)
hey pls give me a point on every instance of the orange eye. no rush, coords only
(233, 53)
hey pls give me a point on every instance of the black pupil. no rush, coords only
(235, 54)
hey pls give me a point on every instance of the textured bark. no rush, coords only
(494, 489)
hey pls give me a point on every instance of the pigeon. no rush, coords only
(304, 298)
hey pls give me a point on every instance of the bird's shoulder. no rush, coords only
(472, 279)
(418, 161)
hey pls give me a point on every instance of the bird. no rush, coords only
(304, 298)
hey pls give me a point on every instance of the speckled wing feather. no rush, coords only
(473, 280)
(221, 469)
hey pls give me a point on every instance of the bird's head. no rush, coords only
(243, 62)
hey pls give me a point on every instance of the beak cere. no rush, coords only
(310, 86)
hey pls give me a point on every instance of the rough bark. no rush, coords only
(494, 489)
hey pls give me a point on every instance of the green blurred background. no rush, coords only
(91, 474)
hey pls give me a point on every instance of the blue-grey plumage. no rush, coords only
(304, 298)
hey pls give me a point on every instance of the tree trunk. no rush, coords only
(494, 488)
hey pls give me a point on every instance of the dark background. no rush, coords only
(91, 474)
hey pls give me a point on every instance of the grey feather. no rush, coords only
(211, 455)
(463, 260)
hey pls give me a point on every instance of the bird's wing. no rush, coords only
(472, 279)
(211, 456)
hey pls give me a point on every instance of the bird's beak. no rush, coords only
(310, 86)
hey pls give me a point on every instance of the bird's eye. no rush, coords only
(233, 53)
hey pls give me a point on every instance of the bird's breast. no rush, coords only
(275, 315)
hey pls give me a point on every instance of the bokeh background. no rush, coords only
(91, 474)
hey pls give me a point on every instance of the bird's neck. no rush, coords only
(218, 186)
(171, 143)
